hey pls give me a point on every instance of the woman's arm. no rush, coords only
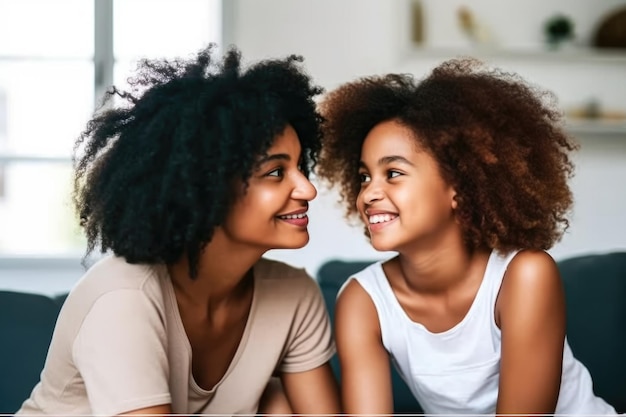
(530, 311)
(121, 353)
(159, 410)
(365, 371)
(312, 392)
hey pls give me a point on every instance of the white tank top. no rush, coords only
(457, 371)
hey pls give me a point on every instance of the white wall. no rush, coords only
(344, 39)
(341, 40)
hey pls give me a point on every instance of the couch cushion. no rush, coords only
(595, 292)
(26, 326)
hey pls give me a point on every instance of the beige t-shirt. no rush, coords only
(120, 345)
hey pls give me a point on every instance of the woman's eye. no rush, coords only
(278, 172)
(364, 178)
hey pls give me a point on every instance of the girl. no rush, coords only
(464, 175)
(188, 185)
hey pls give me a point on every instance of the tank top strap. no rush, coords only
(494, 274)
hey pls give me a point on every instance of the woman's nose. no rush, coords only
(304, 189)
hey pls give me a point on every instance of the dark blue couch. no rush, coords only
(26, 325)
(595, 287)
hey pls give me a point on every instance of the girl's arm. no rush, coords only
(530, 311)
(365, 371)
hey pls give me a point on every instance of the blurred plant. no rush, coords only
(557, 29)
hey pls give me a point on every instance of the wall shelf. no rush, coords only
(596, 128)
(566, 54)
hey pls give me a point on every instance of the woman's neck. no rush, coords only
(224, 273)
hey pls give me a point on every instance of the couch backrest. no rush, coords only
(26, 325)
(595, 292)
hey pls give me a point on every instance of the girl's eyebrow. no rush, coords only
(388, 160)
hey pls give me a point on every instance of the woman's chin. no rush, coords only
(294, 244)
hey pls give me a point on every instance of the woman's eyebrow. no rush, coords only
(274, 157)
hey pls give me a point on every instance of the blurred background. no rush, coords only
(57, 58)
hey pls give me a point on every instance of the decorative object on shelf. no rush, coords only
(593, 109)
(472, 27)
(417, 22)
(558, 29)
(611, 32)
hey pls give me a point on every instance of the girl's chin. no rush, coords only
(382, 246)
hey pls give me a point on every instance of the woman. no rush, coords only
(188, 185)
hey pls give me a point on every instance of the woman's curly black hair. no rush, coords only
(155, 176)
(498, 141)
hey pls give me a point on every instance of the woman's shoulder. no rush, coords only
(284, 278)
(113, 274)
(273, 269)
(111, 291)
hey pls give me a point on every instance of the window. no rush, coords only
(56, 60)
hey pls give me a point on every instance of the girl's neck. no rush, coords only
(442, 269)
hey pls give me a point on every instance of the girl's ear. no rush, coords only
(454, 203)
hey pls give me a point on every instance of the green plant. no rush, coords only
(558, 28)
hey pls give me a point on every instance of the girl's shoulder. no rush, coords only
(532, 279)
(529, 264)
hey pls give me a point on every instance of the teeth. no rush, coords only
(381, 218)
(293, 216)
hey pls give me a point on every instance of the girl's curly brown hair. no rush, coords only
(498, 140)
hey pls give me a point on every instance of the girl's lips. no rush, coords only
(375, 227)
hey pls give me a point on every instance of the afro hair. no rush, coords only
(498, 141)
(154, 173)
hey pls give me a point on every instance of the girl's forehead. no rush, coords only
(391, 137)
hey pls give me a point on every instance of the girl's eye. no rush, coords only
(393, 174)
(364, 178)
(278, 172)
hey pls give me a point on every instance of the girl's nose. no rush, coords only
(371, 193)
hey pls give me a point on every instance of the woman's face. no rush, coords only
(272, 212)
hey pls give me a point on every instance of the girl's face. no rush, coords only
(272, 212)
(404, 201)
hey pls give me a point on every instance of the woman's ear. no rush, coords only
(454, 203)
